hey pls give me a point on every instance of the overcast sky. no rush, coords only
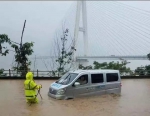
(43, 17)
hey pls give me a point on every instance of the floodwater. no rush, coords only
(134, 101)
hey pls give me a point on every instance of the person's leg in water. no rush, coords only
(34, 100)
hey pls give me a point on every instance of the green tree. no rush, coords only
(143, 70)
(98, 65)
(1, 71)
(21, 57)
(3, 50)
(148, 56)
(140, 70)
(147, 69)
(65, 56)
(85, 68)
(4, 39)
(111, 65)
(22, 51)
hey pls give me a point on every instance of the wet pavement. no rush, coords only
(134, 101)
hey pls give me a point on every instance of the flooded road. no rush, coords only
(134, 101)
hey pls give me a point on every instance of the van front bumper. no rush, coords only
(59, 97)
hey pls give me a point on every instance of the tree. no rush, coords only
(140, 70)
(65, 55)
(147, 69)
(21, 57)
(4, 39)
(22, 51)
(148, 56)
(85, 68)
(1, 71)
(143, 70)
(98, 65)
(111, 65)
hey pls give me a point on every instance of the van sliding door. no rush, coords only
(112, 83)
(97, 84)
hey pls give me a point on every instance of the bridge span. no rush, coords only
(113, 57)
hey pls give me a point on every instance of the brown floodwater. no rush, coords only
(134, 101)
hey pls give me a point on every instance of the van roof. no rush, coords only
(95, 71)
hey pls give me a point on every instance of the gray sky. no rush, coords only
(43, 17)
(42, 20)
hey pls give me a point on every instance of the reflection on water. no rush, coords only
(134, 101)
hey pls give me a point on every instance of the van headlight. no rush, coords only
(61, 91)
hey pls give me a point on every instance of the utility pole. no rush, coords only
(22, 36)
(20, 49)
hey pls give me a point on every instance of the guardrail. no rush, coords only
(37, 73)
(56, 78)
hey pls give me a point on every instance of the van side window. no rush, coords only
(112, 77)
(82, 79)
(97, 78)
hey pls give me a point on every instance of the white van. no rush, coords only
(86, 82)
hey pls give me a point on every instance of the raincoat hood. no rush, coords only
(29, 76)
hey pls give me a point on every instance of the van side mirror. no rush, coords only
(76, 84)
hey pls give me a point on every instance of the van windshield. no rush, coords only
(67, 78)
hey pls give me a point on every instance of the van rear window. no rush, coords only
(97, 78)
(111, 77)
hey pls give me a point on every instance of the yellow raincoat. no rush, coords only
(30, 88)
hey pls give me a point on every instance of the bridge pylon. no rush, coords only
(81, 5)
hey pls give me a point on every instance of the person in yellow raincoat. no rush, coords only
(30, 88)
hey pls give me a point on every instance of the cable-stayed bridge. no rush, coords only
(104, 30)
(111, 28)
